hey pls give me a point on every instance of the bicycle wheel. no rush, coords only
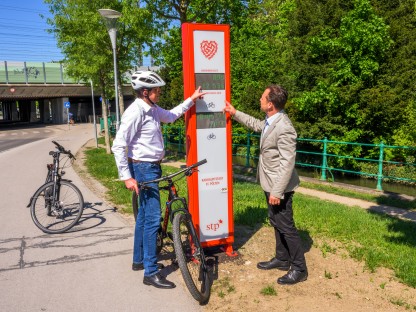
(57, 216)
(191, 257)
(135, 205)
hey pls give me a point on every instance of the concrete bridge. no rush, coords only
(35, 92)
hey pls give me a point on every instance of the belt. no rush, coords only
(131, 160)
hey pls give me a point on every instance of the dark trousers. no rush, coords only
(288, 242)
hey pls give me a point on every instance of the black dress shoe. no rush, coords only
(293, 277)
(158, 281)
(274, 264)
(139, 266)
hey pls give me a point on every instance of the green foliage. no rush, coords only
(223, 287)
(349, 65)
(85, 43)
(352, 57)
(268, 291)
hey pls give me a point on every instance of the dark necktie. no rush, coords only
(266, 125)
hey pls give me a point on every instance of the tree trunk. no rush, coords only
(120, 99)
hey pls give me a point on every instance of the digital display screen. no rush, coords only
(210, 81)
(210, 120)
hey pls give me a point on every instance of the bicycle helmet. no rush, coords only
(146, 80)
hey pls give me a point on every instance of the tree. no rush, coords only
(84, 41)
(345, 64)
(166, 49)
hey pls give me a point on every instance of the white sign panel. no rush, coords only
(212, 184)
(211, 102)
(209, 51)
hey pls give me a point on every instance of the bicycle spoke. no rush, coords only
(191, 258)
(57, 216)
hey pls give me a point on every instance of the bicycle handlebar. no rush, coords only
(63, 150)
(188, 171)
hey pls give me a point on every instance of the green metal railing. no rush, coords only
(380, 163)
(37, 73)
(111, 121)
(321, 154)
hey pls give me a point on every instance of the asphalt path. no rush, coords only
(11, 137)
(87, 269)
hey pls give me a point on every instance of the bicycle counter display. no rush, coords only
(206, 61)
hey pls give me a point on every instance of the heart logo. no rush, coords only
(209, 48)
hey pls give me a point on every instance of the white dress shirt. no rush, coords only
(140, 132)
(270, 120)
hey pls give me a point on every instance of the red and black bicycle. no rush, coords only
(188, 250)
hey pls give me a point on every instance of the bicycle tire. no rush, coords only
(67, 214)
(191, 258)
(135, 205)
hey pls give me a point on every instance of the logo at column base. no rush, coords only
(214, 226)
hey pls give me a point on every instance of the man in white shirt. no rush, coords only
(140, 134)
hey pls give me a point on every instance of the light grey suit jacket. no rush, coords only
(276, 168)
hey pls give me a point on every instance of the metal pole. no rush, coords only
(67, 116)
(116, 89)
(93, 113)
(248, 147)
(380, 167)
(113, 36)
(7, 73)
(324, 160)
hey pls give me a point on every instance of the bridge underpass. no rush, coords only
(34, 92)
(31, 103)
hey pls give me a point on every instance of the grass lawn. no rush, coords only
(379, 240)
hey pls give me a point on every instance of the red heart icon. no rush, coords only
(209, 48)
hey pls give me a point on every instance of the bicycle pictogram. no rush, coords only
(211, 136)
(210, 105)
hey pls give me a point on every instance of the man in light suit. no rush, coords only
(278, 178)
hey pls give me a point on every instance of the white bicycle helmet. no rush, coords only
(146, 80)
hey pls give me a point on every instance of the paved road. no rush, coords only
(88, 269)
(17, 136)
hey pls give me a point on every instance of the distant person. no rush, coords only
(71, 118)
(140, 133)
(278, 178)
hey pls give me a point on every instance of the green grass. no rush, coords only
(377, 240)
(268, 291)
(223, 287)
(379, 199)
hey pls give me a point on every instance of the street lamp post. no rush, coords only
(93, 114)
(110, 17)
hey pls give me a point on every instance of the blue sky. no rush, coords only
(23, 35)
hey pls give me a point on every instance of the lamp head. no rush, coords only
(110, 17)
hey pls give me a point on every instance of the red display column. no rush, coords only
(206, 63)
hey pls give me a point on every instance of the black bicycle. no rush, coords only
(58, 204)
(189, 253)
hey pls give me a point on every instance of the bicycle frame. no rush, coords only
(57, 205)
(172, 196)
(189, 253)
(53, 172)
